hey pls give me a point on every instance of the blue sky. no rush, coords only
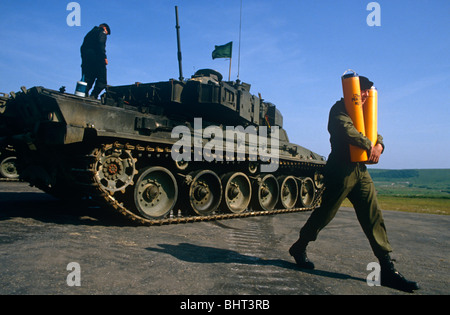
(292, 52)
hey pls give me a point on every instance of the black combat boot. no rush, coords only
(298, 251)
(391, 278)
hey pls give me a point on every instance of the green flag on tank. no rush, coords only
(223, 51)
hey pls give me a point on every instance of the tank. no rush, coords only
(8, 159)
(163, 152)
(8, 169)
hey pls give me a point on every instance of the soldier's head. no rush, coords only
(365, 85)
(106, 28)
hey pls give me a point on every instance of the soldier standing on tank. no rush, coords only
(345, 179)
(94, 60)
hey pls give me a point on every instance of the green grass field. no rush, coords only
(420, 191)
(418, 205)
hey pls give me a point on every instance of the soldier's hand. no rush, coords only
(106, 61)
(375, 153)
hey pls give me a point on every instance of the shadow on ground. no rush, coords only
(209, 255)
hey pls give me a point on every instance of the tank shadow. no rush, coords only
(205, 254)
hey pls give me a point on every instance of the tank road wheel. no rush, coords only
(253, 167)
(266, 193)
(307, 192)
(115, 169)
(181, 165)
(155, 192)
(237, 192)
(205, 192)
(288, 191)
(318, 180)
(8, 167)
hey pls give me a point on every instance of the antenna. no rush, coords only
(239, 53)
(180, 68)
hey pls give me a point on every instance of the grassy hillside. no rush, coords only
(415, 190)
(428, 183)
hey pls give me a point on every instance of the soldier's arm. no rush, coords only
(347, 130)
(376, 151)
(102, 45)
(380, 142)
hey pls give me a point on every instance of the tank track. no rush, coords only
(2, 179)
(84, 172)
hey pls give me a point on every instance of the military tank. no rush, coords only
(8, 169)
(163, 152)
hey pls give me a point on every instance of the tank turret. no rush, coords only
(205, 94)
